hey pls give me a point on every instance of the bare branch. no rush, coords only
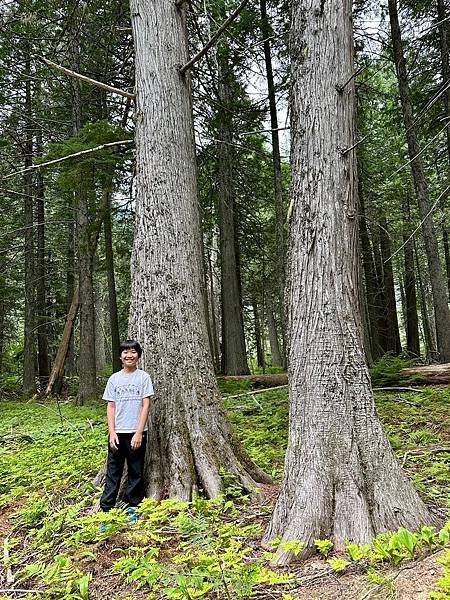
(70, 156)
(346, 150)
(99, 84)
(341, 87)
(265, 130)
(420, 224)
(214, 38)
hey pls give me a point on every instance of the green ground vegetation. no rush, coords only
(55, 540)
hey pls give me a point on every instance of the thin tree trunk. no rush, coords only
(280, 242)
(444, 44)
(341, 480)
(441, 309)
(57, 373)
(29, 351)
(389, 289)
(430, 348)
(190, 442)
(411, 320)
(70, 288)
(213, 317)
(41, 284)
(447, 256)
(380, 295)
(234, 355)
(275, 351)
(370, 280)
(86, 360)
(112, 297)
(260, 357)
(100, 353)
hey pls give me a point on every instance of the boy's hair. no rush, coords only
(130, 344)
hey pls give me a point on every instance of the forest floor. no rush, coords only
(53, 545)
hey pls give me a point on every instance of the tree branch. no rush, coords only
(99, 84)
(70, 156)
(214, 38)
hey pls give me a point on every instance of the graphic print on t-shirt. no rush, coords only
(127, 391)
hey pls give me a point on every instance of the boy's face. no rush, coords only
(129, 357)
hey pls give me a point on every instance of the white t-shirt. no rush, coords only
(127, 390)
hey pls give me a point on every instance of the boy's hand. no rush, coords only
(136, 440)
(114, 441)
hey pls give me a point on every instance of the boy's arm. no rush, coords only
(136, 440)
(111, 415)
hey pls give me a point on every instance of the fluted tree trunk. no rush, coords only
(189, 438)
(438, 284)
(342, 480)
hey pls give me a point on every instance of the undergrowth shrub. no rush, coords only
(386, 371)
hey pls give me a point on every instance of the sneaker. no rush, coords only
(132, 515)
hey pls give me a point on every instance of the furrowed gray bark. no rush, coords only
(342, 480)
(190, 442)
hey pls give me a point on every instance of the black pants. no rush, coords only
(114, 470)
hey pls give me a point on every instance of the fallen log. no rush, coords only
(265, 381)
(429, 374)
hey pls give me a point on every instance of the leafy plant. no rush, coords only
(324, 546)
(338, 564)
(61, 576)
(443, 592)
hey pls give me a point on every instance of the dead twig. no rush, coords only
(214, 38)
(99, 84)
(262, 391)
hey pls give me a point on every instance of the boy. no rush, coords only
(128, 395)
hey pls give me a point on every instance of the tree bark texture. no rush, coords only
(213, 316)
(439, 289)
(412, 319)
(234, 355)
(447, 256)
(70, 288)
(280, 240)
(389, 289)
(190, 441)
(41, 304)
(342, 480)
(380, 295)
(428, 335)
(370, 280)
(100, 351)
(442, 13)
(29, 349)
(86, 360)
(275, 351)
(259, 342)
(112, 297)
